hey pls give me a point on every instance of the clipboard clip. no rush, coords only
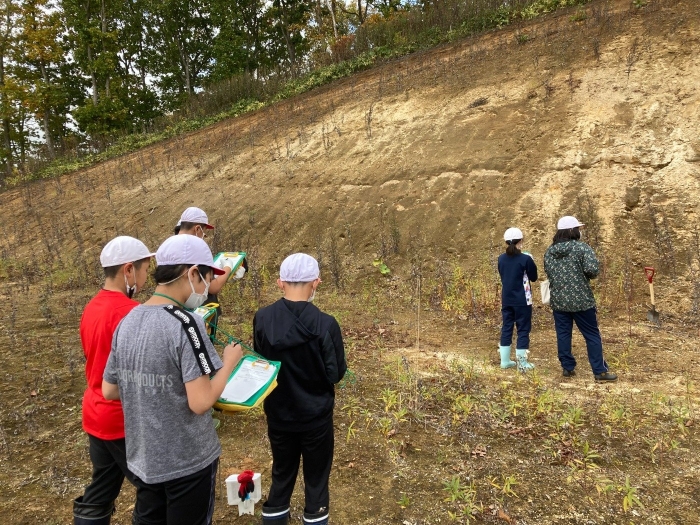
(260, 361)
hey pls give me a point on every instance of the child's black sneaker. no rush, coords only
(568, 373)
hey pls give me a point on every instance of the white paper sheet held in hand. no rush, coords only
(248, 379)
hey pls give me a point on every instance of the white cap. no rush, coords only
(568, 222)
(299, 268)
(122, 250)
(186, 249)
(195, 215)
(512, 234)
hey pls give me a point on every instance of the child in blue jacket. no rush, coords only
(517, 270)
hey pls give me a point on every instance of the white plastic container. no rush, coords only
(247, 506)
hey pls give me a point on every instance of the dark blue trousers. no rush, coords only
(587, 322)
(519, 317)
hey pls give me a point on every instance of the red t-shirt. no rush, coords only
(102, 418)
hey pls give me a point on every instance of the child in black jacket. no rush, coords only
(517, 270)
(299, 411)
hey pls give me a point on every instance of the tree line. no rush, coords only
(75, 74)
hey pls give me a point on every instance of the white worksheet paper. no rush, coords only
(247, 380)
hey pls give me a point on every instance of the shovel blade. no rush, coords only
(653, 316)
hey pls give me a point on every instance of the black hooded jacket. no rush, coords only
(309, 345)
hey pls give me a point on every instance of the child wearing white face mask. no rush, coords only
(194, 221)
(125, 261)
(309, 344)
(160, 367)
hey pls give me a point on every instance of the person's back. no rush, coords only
(299, 411)
(309, 345)
(154, 358)
(569, 266)
(516, 269)
(101, 417)
(517, 272)
(125, 261)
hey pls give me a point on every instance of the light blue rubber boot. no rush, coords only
(523, 364)
(505, 357)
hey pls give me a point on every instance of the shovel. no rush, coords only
(652, 315)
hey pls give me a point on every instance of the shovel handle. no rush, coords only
(649, 271)
(651, 294)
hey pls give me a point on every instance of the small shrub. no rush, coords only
(579, 16)
(522, 38)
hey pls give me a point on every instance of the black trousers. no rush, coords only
(108, 472)
(188, 500)
(316, 447)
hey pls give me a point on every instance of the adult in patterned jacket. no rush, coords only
(125, 261)
(570, 264)
(299, 411)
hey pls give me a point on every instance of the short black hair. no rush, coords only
(186, 226)
(571, 234)
(169, 272)
(112, 271)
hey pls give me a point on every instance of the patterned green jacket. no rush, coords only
(569, 267)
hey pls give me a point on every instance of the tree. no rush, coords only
(290, 18)
(182, 40)
(239, 43)
(8, 42)
(136, 64)
(40, 66)
(93, 37)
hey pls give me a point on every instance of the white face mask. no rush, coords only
(313, 296)
(195, 300)
(130, 290)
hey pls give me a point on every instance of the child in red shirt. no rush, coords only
(125, 261)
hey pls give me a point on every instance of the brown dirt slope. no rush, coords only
(456, 143)
(422, 162)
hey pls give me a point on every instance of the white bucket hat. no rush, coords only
(122, 250)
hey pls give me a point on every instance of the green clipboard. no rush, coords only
(238, 258)
(207, 312)
(260, 394)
